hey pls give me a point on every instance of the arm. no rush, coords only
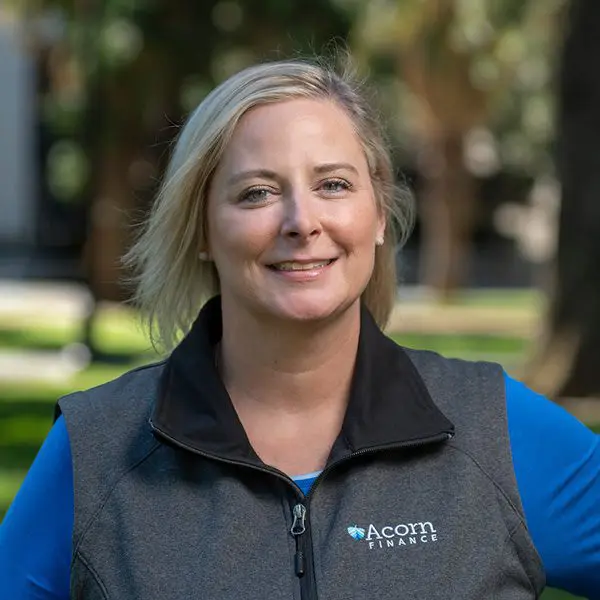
(35, 535)
(557, 465)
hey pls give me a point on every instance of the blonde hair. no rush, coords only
(171, 283)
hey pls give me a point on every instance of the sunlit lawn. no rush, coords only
(26, 408)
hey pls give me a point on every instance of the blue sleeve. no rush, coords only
(35, 535)
(557, 466)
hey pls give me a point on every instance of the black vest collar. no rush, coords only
(389, 404)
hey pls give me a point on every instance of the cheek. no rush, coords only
(359, 226)
(240, 233)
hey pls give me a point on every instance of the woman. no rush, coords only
(286, 448)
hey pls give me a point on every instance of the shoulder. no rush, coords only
(109, 434)
(460, 386)
(114, 419)
(126, 395)
(472, 394)
(433, 364)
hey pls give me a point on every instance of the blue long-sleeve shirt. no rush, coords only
(556, 461)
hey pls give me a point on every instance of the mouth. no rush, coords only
(301, 266)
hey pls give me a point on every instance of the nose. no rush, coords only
(301, 217)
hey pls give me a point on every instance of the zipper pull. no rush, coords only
(298, 528)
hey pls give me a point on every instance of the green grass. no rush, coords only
(462, 345)
(552, 594)
(500, 297)
(116, 331)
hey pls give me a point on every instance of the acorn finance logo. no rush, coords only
(395, 536)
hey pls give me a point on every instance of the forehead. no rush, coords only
(309, 129)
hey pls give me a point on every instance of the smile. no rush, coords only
(301, 266)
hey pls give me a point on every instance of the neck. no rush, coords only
(289, 367)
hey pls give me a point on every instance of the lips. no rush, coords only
(301, 265)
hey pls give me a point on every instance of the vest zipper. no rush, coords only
(303, 559)
(300, 530)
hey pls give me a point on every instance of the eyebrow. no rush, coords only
(329, 167)
(265, 173)
(268, 174)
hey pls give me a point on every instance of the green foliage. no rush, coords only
(138, 66)
(126, 70)
(67, 170)
(509, 48)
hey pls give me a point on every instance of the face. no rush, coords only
(292, 217)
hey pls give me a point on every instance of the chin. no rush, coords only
(308, 310)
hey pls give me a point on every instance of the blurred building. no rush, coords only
(17, 139)
(40, 237)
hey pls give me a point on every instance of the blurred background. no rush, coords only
(493, 111)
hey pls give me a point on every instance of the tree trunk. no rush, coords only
(110, 223)
(566, 363)
(447, 207)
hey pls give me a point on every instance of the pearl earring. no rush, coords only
(204, 255)
(379, 241)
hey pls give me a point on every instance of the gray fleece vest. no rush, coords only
(418, 499)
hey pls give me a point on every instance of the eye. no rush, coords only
(336, 186)
(255, 195)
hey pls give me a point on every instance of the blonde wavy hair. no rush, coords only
(170, 282)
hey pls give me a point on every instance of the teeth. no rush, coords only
(294, 266)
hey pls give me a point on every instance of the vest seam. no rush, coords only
(510, 540)
(511, 531)
(109, 493)
(97, 579)
(498, 487)
(515, 529)
(500, 575)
